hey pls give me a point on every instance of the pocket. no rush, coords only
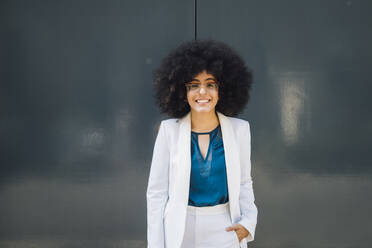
(236, 239)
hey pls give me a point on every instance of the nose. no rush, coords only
(202, 90)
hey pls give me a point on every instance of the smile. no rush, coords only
(203, 101)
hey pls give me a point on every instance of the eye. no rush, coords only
(212, 85)
(194, 86)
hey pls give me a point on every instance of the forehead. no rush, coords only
(203, 76)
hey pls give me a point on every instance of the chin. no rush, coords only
(203, 110)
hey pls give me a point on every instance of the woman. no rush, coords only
(200, 191)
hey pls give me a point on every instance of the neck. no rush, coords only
(203, 121)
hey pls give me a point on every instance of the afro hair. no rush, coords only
(190, 58)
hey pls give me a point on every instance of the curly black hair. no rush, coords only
(190, 58)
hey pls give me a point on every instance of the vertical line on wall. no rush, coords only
(195, 20)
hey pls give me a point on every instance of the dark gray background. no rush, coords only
(78, 116)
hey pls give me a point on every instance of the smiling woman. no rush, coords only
(200, 191)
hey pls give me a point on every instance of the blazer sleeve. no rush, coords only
(157, 190)
(246, 199)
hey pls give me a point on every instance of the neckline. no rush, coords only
(206, 132)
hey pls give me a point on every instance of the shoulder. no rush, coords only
(241, 129)
(169, 123)
(239, 123)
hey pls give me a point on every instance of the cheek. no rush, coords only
(215, 96)
(189, 98)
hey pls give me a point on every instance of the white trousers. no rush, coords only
(205, 228)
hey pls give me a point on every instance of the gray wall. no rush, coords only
(78, 119)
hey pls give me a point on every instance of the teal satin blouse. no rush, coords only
(208, 181)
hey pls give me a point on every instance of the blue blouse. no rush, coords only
(208, 181)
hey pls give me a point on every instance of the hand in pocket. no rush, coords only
(240, 231)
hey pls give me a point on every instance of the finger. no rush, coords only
(229, 228)
(235, 227)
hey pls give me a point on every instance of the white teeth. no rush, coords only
(202, 100)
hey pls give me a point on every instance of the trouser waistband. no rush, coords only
(217, 209)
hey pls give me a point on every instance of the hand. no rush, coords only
(240, 230)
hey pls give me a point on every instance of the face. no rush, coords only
(202, 92)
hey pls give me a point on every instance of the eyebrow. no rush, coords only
(194, 79)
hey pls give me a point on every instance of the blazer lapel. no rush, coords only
(232, 164)
(184, 161)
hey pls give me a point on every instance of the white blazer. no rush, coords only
(169, 179)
